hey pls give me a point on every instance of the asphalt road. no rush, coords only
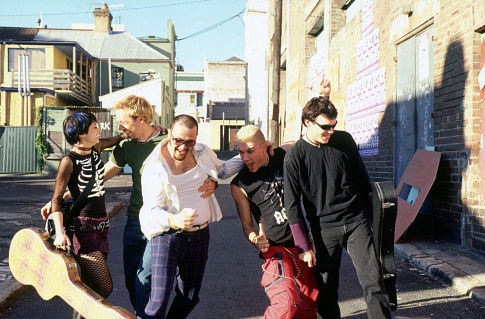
(231, 283)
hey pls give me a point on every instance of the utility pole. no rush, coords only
(276, 67)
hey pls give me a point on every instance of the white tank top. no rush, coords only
(187, 185)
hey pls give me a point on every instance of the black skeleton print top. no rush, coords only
(82, 172)
(75, 171)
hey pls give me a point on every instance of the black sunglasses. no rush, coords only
(325, 127)
(180, 141)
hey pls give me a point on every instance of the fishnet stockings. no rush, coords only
(95, 272)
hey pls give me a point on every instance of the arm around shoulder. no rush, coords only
(111, 141)
(110, 170)
(231, 167)
(225, 169)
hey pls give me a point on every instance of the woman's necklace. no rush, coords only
(83, 149)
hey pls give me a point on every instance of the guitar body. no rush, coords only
(34, 261)
(384, 219)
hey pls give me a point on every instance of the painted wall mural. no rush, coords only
(366, 97)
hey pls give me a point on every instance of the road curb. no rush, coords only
(10, 290)
(444, 271)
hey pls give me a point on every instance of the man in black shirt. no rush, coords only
(325, 177)
(258, 191)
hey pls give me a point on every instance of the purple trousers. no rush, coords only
(182, 256)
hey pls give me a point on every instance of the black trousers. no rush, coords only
(356, 238)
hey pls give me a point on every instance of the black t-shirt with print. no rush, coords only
(265, 193)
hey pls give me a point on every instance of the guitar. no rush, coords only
(34, 261)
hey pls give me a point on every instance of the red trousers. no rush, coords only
(290, 285)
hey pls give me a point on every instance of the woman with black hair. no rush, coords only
(86, 231)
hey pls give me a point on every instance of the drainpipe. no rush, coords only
(29, 98)
(24, 64)
(223, 132)
(109, 77)
(482, 126)
(276, 67)
(49, 95)
(100, 77)
(21, 104)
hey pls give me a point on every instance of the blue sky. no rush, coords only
(147, 17)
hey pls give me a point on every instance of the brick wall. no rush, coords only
(457, 122)
(458, 212)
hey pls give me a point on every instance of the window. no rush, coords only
(176, 98)
(36, 58)
(117, 77)
(199, 99)
(192, 98)
(352, 7)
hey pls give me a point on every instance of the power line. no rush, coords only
(114, 10)
(218, 24)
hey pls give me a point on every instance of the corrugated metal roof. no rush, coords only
(117, 45)
(17, 34)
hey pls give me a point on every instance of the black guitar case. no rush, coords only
(383, 221)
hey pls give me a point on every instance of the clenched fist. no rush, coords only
(183, 220)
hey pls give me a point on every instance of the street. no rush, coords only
(231, 284)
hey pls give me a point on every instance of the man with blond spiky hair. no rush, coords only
(258, 192)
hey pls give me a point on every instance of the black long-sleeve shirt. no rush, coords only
(331, 180)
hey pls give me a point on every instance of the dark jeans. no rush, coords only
(356, 238)
(134, 244)
(143, 282)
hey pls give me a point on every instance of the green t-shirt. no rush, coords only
(134, 154)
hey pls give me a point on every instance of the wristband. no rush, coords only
(299, 237)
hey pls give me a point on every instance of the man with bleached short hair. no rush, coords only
(258, 192)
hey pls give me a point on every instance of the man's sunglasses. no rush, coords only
(180, 141)
(325, 127)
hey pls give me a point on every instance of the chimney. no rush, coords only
(102, 19)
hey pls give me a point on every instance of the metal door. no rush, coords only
(424, 90)
(415, 98)
(406, 94)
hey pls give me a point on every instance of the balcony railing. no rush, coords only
(59, 79)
